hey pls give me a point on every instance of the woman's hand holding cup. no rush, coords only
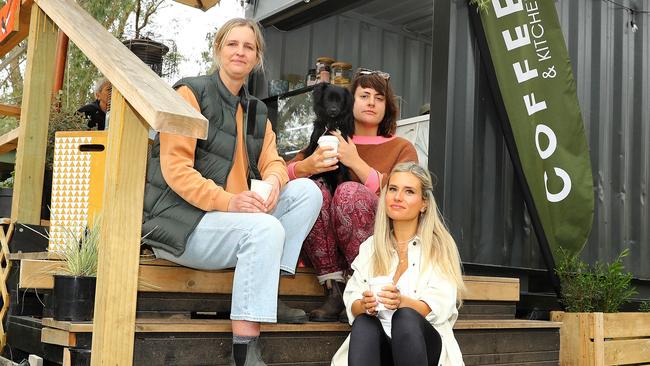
(322, 160)
(390, 297)
(369, 302)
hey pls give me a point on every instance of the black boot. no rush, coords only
(289, 315)
(247, 354)
(330, 310)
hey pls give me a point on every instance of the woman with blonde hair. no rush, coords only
(199, 209)
(408, 322)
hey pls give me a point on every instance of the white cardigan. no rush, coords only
(430, 287)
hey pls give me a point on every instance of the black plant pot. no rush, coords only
(74, 298)
(5, 201)
(6, 195)
(149, 51)
(79, 357)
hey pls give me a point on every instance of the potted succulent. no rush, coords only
(74, 285)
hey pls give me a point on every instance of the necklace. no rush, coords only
(402, 254)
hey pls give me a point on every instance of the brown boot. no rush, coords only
(330, 310)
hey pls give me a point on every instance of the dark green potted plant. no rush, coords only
(74, 286)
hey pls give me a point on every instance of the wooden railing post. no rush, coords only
(117, 272)
(34, 118)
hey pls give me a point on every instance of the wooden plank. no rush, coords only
(34, 117)
(627, 351)
(492, 290)
(23, 29)
(617, 325)
(506, 324)
(160, 106)
(9, 141)
(175, 325)
(58, 336)
(121, 225)
(576, 347)
(9, 110)
(38, 274)
(165, 276)
(5, 272)
(597, 356)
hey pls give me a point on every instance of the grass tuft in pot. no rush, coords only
(81, 252)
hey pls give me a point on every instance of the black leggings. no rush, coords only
(413, 342)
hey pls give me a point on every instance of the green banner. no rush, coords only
(533, 75)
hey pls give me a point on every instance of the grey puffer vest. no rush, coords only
(168, 219)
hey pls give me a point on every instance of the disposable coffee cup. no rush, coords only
(376, 283)
(261, 187)
(329, 140)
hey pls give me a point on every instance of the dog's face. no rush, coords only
(332, 103)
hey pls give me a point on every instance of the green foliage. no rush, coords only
(645, 306)
(64, 119)
(481, 5)
(598, 288)
(81, 253)
(7, 124)
(9, 182)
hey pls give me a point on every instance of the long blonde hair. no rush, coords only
(224, 31)
(439, 251)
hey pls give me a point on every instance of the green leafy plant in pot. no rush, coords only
(599, 288)
(74, 287)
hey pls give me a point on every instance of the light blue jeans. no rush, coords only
(258, 245)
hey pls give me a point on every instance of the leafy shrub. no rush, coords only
(598, 288)
(645, 306)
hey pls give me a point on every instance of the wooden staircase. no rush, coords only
(182, 320)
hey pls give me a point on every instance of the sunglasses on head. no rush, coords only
(381, 74)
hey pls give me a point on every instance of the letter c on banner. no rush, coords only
(566, 180)
(552, 141)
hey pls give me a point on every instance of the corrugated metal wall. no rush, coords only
(486, 212)
(361, 43)
(612, 69)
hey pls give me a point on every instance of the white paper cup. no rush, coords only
(261, 187)
(376, 283)
(329, 140)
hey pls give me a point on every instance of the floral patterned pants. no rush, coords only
(345, 221)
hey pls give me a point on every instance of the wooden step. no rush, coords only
(503, 342)
(223, 326)
(163, 276)
(482, 342)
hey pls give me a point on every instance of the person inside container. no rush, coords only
(346, 218)
(409, 319)
(199, 210)
(95, 111)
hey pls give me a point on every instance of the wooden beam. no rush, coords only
(163, 276)
(9, 141)
(161, 107)
(9, 110)
(34, 117)
(119, 252)
(23, 29)
(38, 274)
(223, 326)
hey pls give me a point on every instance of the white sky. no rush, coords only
(189, 26)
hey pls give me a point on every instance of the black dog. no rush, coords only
(333, 108)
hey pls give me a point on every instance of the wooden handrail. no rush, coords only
(154, 100)
(9, 141)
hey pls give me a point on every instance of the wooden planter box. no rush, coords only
(603, 338)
